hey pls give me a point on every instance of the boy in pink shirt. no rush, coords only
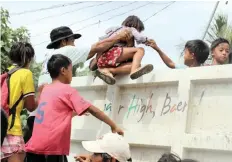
(57, 105)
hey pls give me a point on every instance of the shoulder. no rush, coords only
(71, 50)
(24, 72)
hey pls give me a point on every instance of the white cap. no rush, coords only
(112, 144)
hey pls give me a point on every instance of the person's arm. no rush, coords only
(28, 91)
(107, 43)
(163, 56)
(103, 117)
(80, 106)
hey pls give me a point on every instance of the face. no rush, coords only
(69, 42)
(67, 74)
(188, 57)
(221, 53)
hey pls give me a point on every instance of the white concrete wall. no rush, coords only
(188, 112)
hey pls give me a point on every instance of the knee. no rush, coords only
(141, 50)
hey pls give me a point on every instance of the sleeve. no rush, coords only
(179, 66)
(76, 54)
(139, 38)
(78, 103)
(28, 84)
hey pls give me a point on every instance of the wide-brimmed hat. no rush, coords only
(60, 33)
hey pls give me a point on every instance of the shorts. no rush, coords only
(30, 157)
(11, 145)
(109, 59)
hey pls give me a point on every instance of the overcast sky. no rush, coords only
(174, 25)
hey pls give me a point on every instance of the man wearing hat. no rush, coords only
(110, 148)
(62, 40)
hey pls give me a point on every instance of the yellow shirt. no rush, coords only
(21, 82)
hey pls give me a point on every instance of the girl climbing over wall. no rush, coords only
(115, 60)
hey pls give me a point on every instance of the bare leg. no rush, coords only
(124, 68)
(129, 53)
(137, 55)
(18, 157)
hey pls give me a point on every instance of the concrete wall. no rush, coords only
(188, 112)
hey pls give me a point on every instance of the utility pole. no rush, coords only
(210, 20)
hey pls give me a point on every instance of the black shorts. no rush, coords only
(45, 158)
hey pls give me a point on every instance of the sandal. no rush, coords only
(93, 64)
(106, 77)
(143, 70)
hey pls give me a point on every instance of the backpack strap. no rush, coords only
(10, 72)
(12, 110)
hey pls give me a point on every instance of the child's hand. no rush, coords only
(152, 43)
(125, 35)
(117, 130)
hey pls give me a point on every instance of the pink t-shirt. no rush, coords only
(52, 126)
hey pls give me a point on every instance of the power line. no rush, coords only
(89, 18)
(47, 8)
(101, 13)
(114, 17)
(159, 11)
(79, 9)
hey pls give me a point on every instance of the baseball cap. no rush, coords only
(112, 144)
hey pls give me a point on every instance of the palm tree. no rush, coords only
(220, 28)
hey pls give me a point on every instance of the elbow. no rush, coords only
(171, 65)
(31, 108)
(30, 103)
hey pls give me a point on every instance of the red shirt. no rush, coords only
(52, 126)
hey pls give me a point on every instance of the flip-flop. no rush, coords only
(143, 70)
(108, 79)
(93, 64)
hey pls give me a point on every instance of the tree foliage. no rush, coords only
(8, 37)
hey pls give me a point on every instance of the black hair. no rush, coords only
(218, 41)
(55, 63)
(21, 53)
(169, 157)
(134, 21)
(199, 48)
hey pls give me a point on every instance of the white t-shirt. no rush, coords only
(76, 54)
